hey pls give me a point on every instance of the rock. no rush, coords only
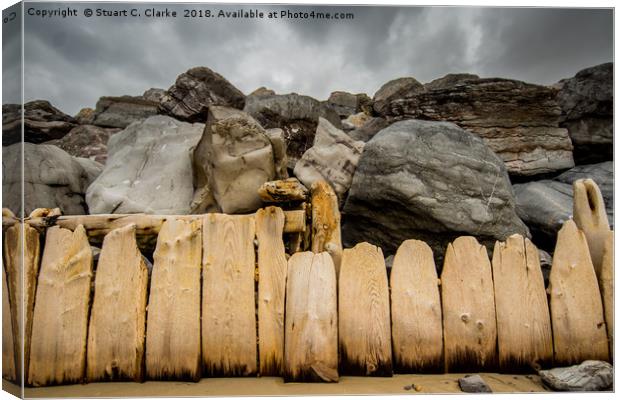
(474, 384)
(586, 377)
(296, 115)
(449, 81)
(88, 141)
(234, 158)
(283, 191)
(430, 181)
(278, 143)
(369, 129)
(195, 91)
(42, 122)
(355, 121)
(545, 265)
(389, 262)
(333, 157)
(52, 178)
(346, 104)
(120, 112)
(262, 91)
(154, 94)
(602, 174)
(517, 120)
(85, 116)
(587, 107)
(148, 169)
(394, 90)
(544, 206)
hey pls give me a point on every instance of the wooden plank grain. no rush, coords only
(579, 331)
(606, 284)
(173, 323)
(228, 302)
(326, 234)
(60, 318)
(117, 321)
(9, 370)
(311, 339)
(365, 346)
(523, 322)
(417, 335)
(468, 305)
(272, 266)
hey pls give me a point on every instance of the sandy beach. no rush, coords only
(264, 386)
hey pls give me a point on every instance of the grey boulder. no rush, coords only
(587, 112)
(52, 178)
(430, 181)
(42, 122)
(394, 90)
(588, 376)
(474, 384)
(195, 91)
(154, 94)
(88, 141)
(120, 112)
(346, 104)
(148, 169)
(295, 114)
(333, 158)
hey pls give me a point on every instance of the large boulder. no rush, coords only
(195, 91)
(42, 122)
(369, 129)
(154, 94)
(431, 181)
(295, 114)
(545, 205)
(88, 141)
(450, 80)
(333, 158)
(517, 120)
(231, 162)
(394, 90)
(346, 104)
(587, 102)
(148, 169)
(52, 178)
(120, 112)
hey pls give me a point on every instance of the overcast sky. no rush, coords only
(74, 61)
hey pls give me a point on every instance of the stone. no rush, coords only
(234, 158)
(587, 112)
(148, 169)
(449, 81)
(394, 90)
(195, 91)
(369, 129)
(278, 143)
(429, 181)
(120, 112)
(262, 91)
(602, 174)
(346, 104)
(545, 265)
(42, 122)
(296, 115)
(85, 116)
(52, 178)
(88, 141)
(333, 158)
(474, 384)
(544, 206)
(517, 120)
(355, 121)
(588, 376)
(154, 94)
(283, 191)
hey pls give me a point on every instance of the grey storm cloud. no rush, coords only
(74, 61)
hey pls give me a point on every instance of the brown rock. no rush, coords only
(42, 122)
(283, 191)
(87, 141)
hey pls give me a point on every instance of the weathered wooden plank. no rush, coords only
(19, 274)
(311, 339)
(523, 322)
(228, 303)
(606, 284)
(272, 267)
(326, 222)
(117, 321)
(417, 334)
(173, 324)
(365, 343)
(9, 370)
(60, 319)
(591, 218)
(577, 319)
(470, 333)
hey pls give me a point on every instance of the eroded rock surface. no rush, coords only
(120, 112)
(42, 122)
(88, 141)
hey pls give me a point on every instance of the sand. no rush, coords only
(445, 383)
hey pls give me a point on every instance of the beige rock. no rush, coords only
(278, 142)
(282, 191)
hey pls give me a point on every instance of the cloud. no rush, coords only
(74, 61)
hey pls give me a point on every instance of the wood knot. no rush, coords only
(465, 317)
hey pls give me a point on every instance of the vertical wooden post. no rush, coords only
(326, 222)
